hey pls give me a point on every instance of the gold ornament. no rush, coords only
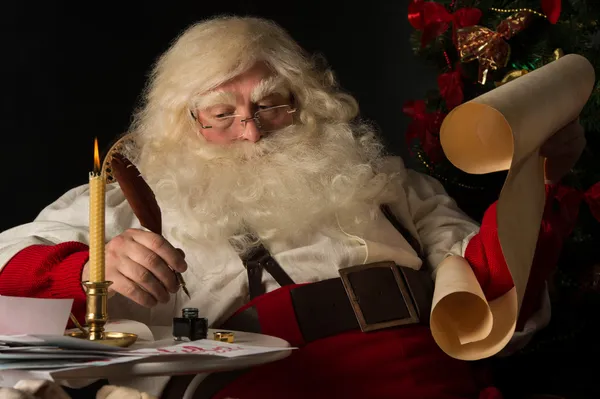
(516, 10)
(490, 47)
(224, 336)
(512, 75)
(558, 53)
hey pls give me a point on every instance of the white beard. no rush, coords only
(288, 185)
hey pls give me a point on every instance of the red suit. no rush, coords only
(408, 362)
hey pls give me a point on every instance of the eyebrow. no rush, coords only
(215, 98)
(268, 86)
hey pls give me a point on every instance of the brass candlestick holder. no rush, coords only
(96, 316)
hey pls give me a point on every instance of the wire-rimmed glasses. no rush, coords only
(267, 120)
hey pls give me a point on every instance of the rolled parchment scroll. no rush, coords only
(503, 130)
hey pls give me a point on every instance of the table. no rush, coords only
(185, 364)
(136, 371)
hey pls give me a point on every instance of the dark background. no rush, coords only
(72, 73)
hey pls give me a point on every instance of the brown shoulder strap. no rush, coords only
(259, 258)
(385, 209)
(255, 261)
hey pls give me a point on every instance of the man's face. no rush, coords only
(288, 185)
(244, 108)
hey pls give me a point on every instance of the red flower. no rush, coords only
(551, 9)
(450, 85)
(425, 127)
(433, 19)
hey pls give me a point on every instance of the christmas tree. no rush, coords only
(478, 45)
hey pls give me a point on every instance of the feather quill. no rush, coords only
(140, 197)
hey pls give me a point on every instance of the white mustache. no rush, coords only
(285, 185)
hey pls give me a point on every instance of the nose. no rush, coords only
(250, 131)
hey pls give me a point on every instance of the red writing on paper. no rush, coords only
(199, 350)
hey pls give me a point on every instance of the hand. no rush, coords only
(140, 264)
(562, 150)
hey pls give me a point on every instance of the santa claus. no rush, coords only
(276, 199)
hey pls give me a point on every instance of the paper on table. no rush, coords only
(66, 342)
(503, 130)
(63, 364)
(50, 351)
(31, 355)
(61, 341)
(6, 349)
(200, 348)
(208, 347)
(33, 315)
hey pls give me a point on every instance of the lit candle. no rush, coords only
(97, 200)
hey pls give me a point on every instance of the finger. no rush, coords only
(143, 277)
(154, 264)
(162, 248)
(556, 168)
(564, 137)
(576, 146)
(131, 290)
(567, 154)
(553, 146)
(574, 150)
(560, 162)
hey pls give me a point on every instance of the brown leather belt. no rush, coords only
(367, 297)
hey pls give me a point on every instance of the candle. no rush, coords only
(97, 210)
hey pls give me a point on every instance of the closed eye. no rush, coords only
(223, 115)
(270, 101)
(265, 106)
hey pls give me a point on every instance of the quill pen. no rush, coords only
(141, 199)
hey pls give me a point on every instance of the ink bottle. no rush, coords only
(189, 326)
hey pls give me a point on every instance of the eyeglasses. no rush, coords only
(267, 120)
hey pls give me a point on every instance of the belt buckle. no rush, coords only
(413, 317)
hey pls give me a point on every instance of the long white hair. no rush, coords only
(286, 185)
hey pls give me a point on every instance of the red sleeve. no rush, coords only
(484, 254)
(48, 271)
